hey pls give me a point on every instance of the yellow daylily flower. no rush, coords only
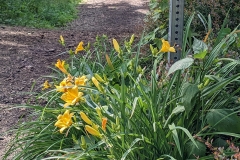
(92, 131)
(85, 118)
(81, 81)
(79, 47)
(64, 121)
(60, 66)
(72, 96)
(46, 85)
(104, 123)
(64, 85)
(166, 47)
(116, 45)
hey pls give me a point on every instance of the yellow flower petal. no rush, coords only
(62, 129)
(64, 85)
(72, 96)
(81, 81)
(85, 118)
(172, 49)
(60, 66)
(92, 131)
(166, 47)
(79, 47)
(67, 104)
(64, 121)
(46, 85)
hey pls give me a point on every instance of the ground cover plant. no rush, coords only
(111, 100)
(38, 14)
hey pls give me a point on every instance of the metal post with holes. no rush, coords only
(175, 34)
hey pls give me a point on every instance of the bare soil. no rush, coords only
(26, 53)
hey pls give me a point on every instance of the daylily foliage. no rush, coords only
(124, 102)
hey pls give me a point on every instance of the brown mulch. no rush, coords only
(26, 53)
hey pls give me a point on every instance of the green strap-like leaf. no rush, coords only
(172, 127)
(130, 149)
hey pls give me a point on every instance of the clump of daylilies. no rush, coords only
(72, 90)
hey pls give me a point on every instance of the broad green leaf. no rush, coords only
(193, 151)
(181, 64)
(177, 110)
(224, 120)
(189, 96)
(200, 55)
(199, 46)
(219, 142)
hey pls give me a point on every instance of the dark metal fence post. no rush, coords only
(175, 34)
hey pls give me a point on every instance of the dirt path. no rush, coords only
(26, 53)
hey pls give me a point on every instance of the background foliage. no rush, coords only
(218, 10)
(157, 20)
(39, 14)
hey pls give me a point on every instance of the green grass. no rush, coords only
(38, 14)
